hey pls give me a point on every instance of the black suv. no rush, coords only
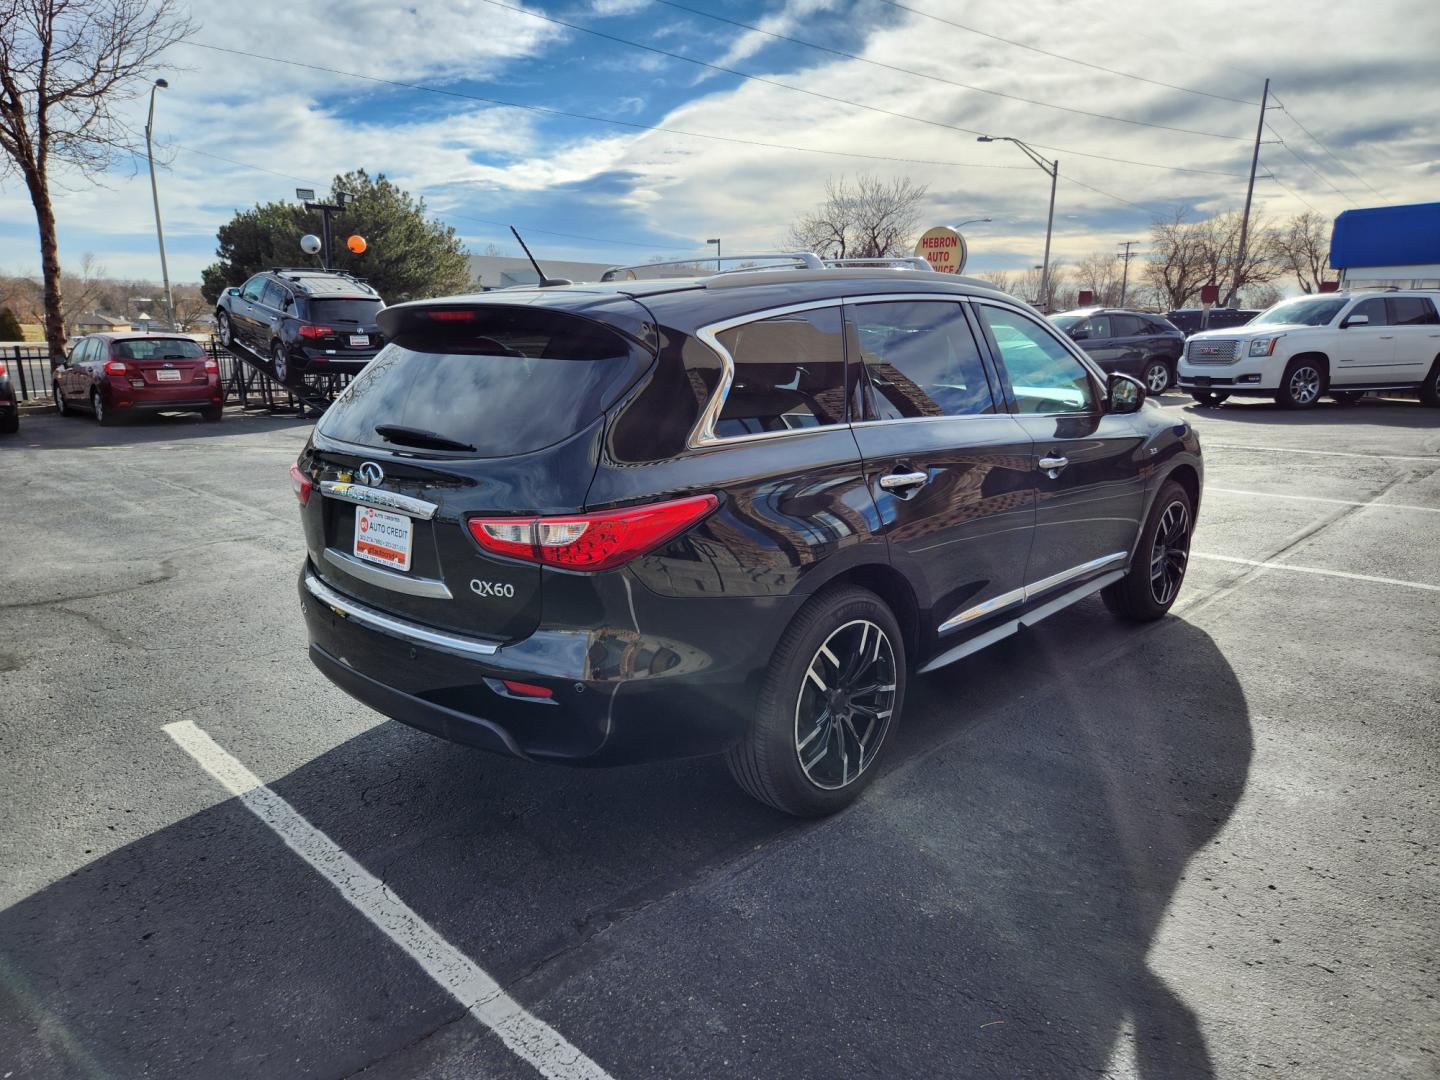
(302, 321)
(606, 523)
(1132, 342)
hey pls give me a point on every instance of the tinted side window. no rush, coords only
(1412, 311)
(274, 296)
(921, 359)
(1098, 327)
(1043, 375)
(1127, 326)
(789, 374)
(1375, 309)
(253, 288)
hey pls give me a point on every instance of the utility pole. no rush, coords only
(1125, 274)
(1053, 169)
(1249, 195)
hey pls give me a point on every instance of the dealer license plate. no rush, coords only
(382, 537)
(359, 341)
(168, 375)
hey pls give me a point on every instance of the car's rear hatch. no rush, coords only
(489, 409)
(344, 324)
(161, 362)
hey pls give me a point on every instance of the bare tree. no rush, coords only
(1003, 280)
(1187, 254)
(1176, 267)
(1099, 272)
(1304, 246)
(65, 67)
(81, 292)
(870, 218)
(1062, 292)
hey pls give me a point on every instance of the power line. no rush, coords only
(839, 100)
(1323, 178)
(1296, 121)
(937, 78)
(1270, 175)
(1070, 59)
(547, 111)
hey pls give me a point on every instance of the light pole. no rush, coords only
(160, 84)
(1053, 168)
(973, 221)
(716, 242)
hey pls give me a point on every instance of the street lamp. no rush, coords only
(160, 84)
(1053, 168)
(972, 221)
(716, 242)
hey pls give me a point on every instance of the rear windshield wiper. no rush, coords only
(409, 436)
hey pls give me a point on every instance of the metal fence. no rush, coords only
(248, 384)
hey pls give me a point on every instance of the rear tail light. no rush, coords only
(315, 331)
(448, 316)
(3, 369)
(301, 484)
(115, 367)
(591, 541)
(212, 365)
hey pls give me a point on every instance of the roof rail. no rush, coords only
(903, 262)
(807, 260)
(1374, 288)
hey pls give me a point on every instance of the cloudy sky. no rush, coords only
(493, 148)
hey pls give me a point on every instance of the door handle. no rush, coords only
(1386, 337)
(900, 481)
(1051, 466)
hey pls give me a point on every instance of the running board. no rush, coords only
(1030, 618)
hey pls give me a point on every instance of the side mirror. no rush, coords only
(1355, 320)
(1078, 334)
(232, 292)
(1124, 394)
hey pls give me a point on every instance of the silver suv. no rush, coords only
(1340, 344)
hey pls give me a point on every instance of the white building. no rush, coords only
(501, 271)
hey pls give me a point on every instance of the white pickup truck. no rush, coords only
(1337, 344)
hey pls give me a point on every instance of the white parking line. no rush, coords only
(1430, 458)
(1315, 570)
(1322, 499)
(527, 1036)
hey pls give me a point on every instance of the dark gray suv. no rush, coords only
(1131, 342)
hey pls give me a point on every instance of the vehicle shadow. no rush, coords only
(48, 431)
(1010, 868)
(1390, 412)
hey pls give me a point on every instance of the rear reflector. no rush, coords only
(591, 541)
(115, 367)
(525, 689)
(300, 484)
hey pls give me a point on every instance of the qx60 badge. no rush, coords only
(492, 588)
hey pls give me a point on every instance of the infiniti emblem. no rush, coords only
(370, 473)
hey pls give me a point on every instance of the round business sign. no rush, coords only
(943, 248)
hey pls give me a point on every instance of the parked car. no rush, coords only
(1193, 320)
(1132, 342)
(610, 523)
(303, 321)
(1340, 344)
(9, 402)
(118, 375)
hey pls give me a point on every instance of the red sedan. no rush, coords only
(118, 375)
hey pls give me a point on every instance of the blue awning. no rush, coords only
(1387, 236)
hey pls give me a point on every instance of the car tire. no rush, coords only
(10, 422)
(1148, 589)
(214, 415)
(1346, 397)
(60, 406)
(1302, 384)
(1209, 399)
(223, 330)
(1430, 388)
(814, 709)
(103, 416)
(280, 361)
(1157, 376)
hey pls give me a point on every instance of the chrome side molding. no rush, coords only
(1017, 596)
(378, 498)
(386, 624)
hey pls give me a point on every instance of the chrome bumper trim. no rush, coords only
(432, 588)
(385, 624)
(1016, 596)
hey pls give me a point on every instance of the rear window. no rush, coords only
(344, 311)
(509, 381)
(159, 349)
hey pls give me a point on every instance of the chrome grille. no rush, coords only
(1218, 351)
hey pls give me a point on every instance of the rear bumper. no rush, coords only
(617, 695)
(182, 398)
(318, 361)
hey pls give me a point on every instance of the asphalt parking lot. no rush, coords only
(1205, 847)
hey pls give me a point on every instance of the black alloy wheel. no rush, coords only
(844, 706)
(280, 361)
(1170, 552)
(828, 706)
(222, 329)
